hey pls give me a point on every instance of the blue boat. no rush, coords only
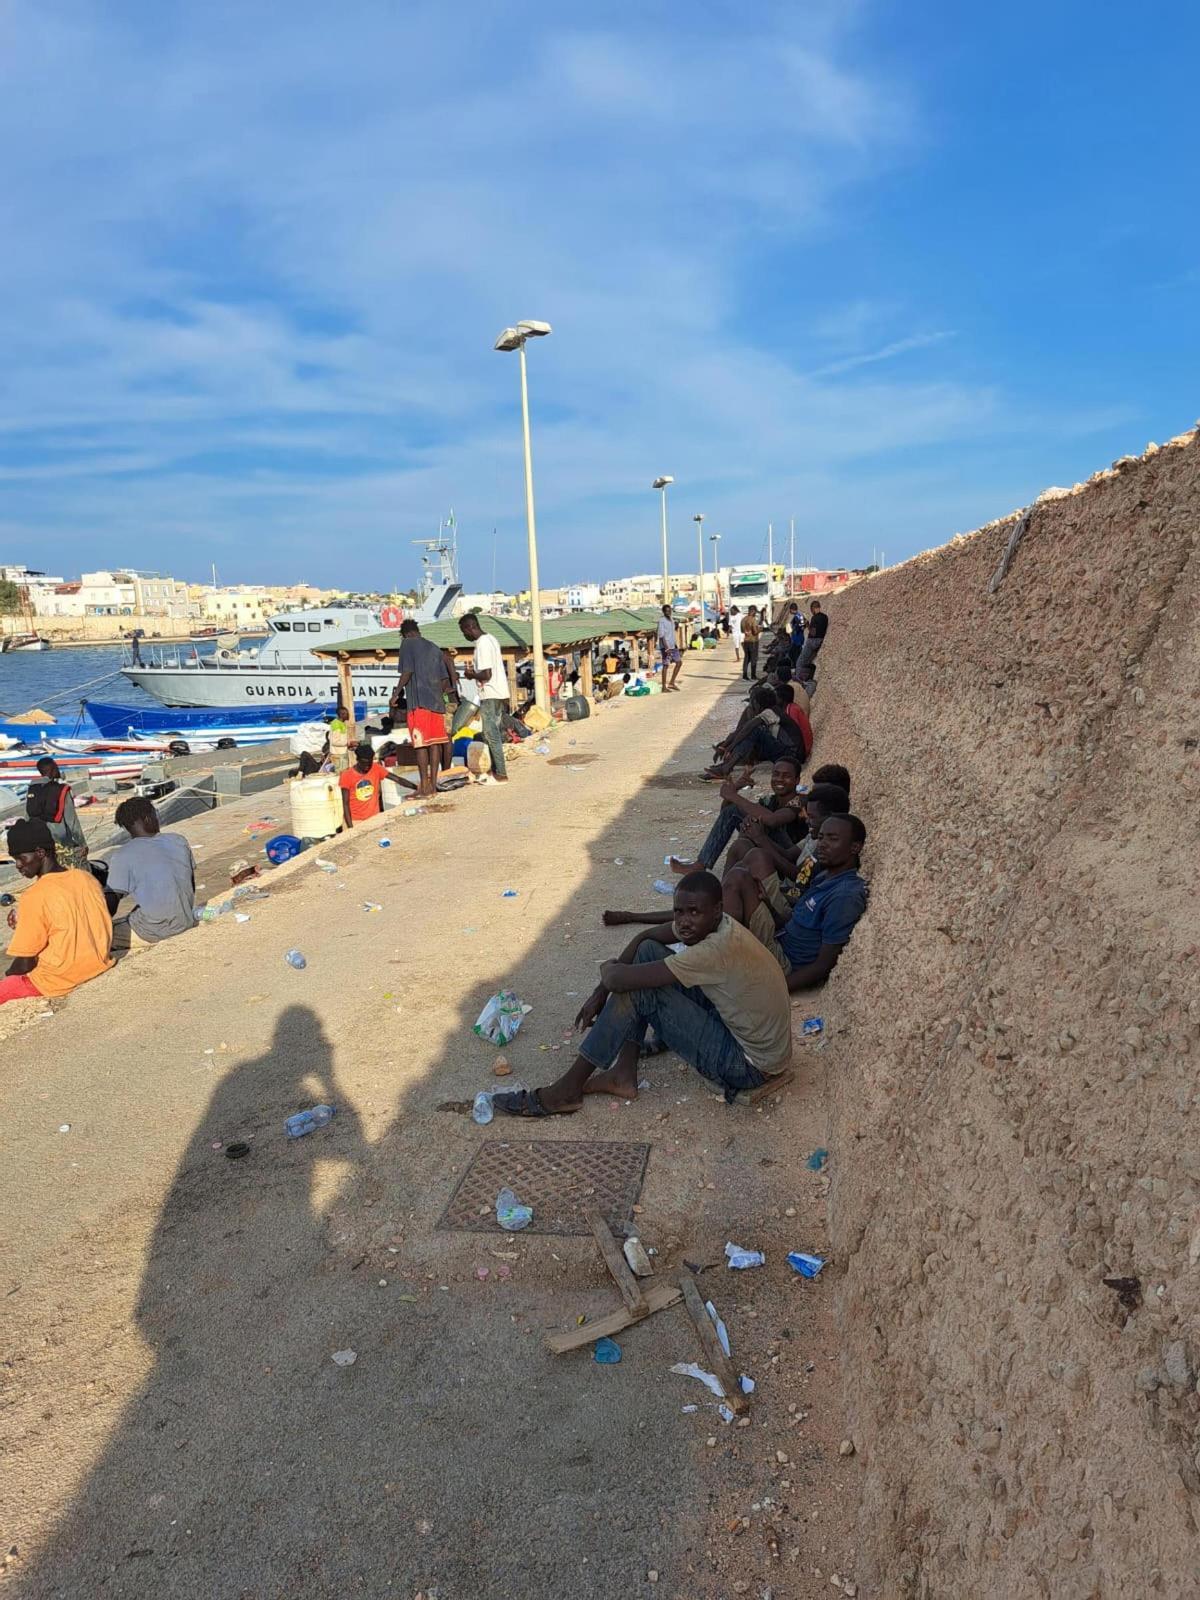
(211, 722)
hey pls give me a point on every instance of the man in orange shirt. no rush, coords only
(361, 787)
(63, 931)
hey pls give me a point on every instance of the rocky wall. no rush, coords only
(1014, 1069)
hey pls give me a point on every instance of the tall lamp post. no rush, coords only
(698, 519)
(715, 540)
(661, 483)
(514, 339)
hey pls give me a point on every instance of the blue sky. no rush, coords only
(889, 270)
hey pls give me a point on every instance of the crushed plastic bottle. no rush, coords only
(302, 1122)
(481, 1111)
(807, 1266)
(663, 886)
(297, 959)
(741, 1259)
(510, 1213)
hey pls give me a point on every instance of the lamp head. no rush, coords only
(510, 339)
(661, 483)
(699, 517)
(534, 330)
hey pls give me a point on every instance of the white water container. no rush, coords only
(316, 806)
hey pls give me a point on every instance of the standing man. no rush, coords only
(362, 787)
(735, 631)
(487, 670)
(751, 632)
(668, 646)
(796, 630)
(818, 627)
(426, 681)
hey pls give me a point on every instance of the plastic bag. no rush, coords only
(500, 1019)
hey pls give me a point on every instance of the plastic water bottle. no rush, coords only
(481, 1111)
(295, 958)
(303, 1122)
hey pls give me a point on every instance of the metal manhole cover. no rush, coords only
(556, 1177)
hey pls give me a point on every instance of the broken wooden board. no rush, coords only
(658, 1297)
(715, 1359)
(614, 1260)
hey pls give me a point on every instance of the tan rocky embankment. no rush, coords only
(1015, 1085)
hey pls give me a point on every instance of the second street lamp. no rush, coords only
(698, 519)
(661, 483)
(514, 339)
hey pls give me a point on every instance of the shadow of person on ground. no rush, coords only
(240, 1353)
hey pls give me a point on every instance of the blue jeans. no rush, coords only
(729, 820)
(761, 745)
(684, 1019)
(491, 714)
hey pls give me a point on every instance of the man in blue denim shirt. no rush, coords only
(808, 941)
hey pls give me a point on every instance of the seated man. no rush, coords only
(708, 988)
(767, 856)
(362, 785)
(779, 811)
(61, 927)
(157, 872)
(806, 677)
(757, 738)
(808, 941)
(797, 715)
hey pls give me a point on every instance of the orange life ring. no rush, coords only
(391, 616)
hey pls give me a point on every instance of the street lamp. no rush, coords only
(514, 339)
(698, 519)
(661, 483)
(715, 540)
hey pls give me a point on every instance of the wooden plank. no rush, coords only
(714, 1359)
(614, 1260)
(658, 1297)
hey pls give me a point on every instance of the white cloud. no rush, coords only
(257, 263)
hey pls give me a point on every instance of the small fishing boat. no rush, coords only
(23, 641)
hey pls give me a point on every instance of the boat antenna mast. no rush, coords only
(440, 561)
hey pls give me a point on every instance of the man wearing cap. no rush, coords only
(62, 932)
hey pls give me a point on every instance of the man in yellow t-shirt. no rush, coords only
(63, 932)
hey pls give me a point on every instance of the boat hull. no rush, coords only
(219, 685)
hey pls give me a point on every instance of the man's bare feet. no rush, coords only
(678, 864)
(623, 1085)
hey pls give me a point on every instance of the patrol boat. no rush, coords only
(283, 670)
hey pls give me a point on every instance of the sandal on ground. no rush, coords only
(526, 1103)
(751, 1097)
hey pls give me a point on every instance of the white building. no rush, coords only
(583, 597)
(644, 589)
(160, 596)
(244, 608)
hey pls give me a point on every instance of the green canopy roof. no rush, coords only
(561, 633)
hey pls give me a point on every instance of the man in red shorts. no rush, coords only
(425, 682)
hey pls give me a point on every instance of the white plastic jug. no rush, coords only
(316, 806)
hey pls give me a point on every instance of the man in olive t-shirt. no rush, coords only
(709, 989)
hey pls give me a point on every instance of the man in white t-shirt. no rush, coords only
(487, 672)
(712, 993)
(735, 633)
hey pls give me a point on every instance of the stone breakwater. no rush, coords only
(1015, 1078)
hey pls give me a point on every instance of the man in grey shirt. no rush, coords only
(157, 872)
(424, 682)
